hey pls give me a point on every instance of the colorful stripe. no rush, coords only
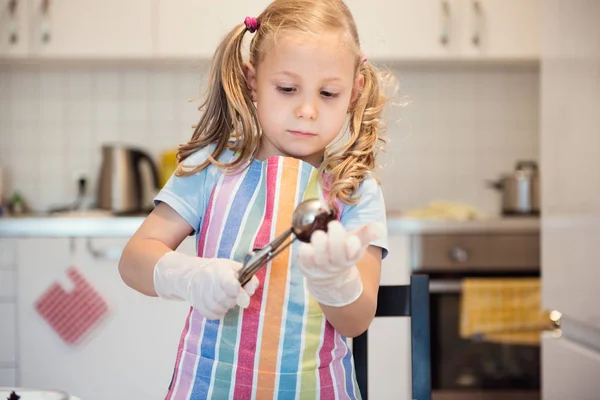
(277, 280)
(248, 320)
(313, 332)
(225, 333)
(289, 355)
(205, 362)
(251, 318)
(180, 382)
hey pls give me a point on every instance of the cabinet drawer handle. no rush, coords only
(459, 255)
(445, 35)
(111, 254)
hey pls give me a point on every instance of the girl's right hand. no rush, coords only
(210, 285)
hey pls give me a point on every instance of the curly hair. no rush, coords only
(230, 119)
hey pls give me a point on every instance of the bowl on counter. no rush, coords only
(18, 393)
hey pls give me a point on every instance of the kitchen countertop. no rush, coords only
(101, 225)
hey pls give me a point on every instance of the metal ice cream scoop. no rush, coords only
(310, 215)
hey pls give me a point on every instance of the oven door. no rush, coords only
(472, 369)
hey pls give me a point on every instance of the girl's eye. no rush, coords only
(286, 89)
(329, 95)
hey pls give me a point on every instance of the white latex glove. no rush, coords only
(328, 263)
(210, 285)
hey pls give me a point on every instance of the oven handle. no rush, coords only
(441, 286)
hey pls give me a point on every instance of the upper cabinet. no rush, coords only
(77, 29)
(448, 29)
(91, 28)
(403, 28)
(194, 29)
(499, 29)
(422, 30)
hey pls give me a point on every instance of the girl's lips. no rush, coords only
(303, 134)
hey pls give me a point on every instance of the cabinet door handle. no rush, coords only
(13, 34)
(45, 24)
(476, 39)
(446, 18)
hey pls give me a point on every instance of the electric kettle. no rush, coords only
(121, 187)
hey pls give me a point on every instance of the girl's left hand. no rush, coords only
(328, 263)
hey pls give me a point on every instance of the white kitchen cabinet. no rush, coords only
(395, 268)
(83, 29)
(500, 29)
(570, 370)
(389, 359)
(570, 145)
(403, 28)
(8, 334)
(194, 29)
(8, 377)
(7, 254)
(8, 312)
(423, 30)
(8, 280)
(130, 355)
(14, 35)
(448, 29)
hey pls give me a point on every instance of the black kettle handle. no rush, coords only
(527, 163)
(141, 156)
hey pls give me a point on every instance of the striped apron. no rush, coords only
(281, 346)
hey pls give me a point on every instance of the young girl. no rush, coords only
(265, 143)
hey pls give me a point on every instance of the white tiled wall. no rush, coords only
(462, 125)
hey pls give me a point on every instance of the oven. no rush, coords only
(473, 368)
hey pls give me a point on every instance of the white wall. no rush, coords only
(462, 125)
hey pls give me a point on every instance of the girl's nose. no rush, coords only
(307, 110)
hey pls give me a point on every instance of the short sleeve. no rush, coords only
(187, 194)
(370, 208)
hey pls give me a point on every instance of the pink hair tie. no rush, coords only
(363, 60)
(251, 24)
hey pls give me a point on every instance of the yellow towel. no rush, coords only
(503, 310)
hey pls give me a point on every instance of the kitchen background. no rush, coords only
(455, 126)
(482, 84)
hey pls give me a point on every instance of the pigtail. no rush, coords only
(229, 118)
(349, 165)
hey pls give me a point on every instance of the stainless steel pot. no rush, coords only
(520, 189)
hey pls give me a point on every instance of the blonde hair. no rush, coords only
(230, 119)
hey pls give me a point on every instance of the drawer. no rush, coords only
(8, 377)
(476, 252)
(8, 257)
(8, 333)
(8, 282)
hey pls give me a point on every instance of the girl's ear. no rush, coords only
(359, 83)
(250, 73)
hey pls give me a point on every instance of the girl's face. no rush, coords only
(303, 90)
